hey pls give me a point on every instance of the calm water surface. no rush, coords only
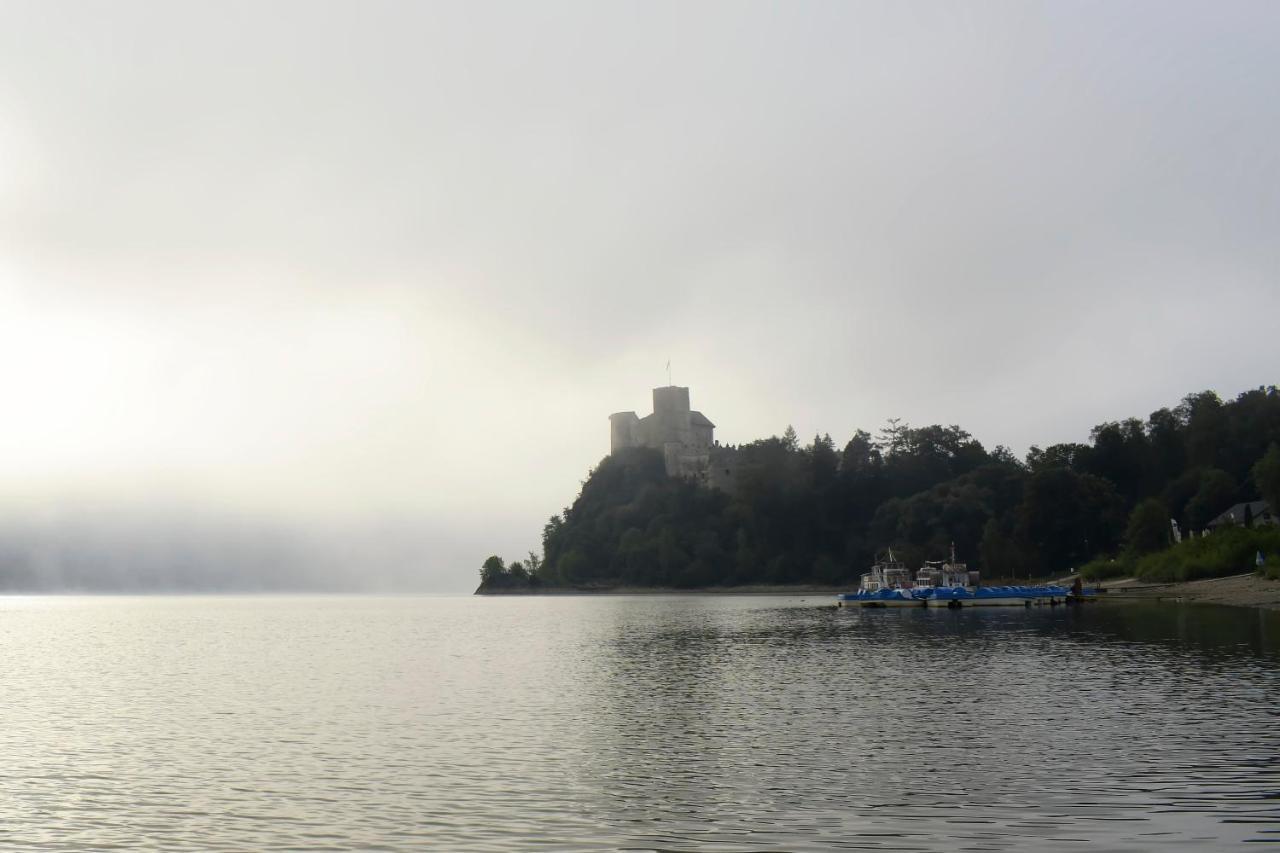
(671, 723)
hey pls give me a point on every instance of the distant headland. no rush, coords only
(1189, 492)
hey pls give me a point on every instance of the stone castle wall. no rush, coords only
(722, 468)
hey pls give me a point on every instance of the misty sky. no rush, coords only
(372, 266)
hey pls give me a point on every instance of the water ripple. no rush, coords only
(655, 723)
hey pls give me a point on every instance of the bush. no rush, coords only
(1103, 568)
(1227, 552)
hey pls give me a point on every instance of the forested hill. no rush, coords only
(819, 513)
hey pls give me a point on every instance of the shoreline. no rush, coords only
(1244, 590)
(752, 589)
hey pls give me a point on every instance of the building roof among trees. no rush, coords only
(1260, 510)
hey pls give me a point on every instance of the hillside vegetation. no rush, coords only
(817, 513)
(1226, 552)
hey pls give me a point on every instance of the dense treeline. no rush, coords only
(817, 513)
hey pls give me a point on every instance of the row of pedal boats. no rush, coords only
(956, 596)
(949, 584)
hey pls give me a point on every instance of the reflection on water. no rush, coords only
(674, 723)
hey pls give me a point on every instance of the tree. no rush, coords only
(823, 460)
(893, 438)
(1073, 456)
(494, 571)
(917, 458)
(1005, 456)
(1206, 420)
(1266, 476)
(1066, 518)
(956, 511)
(1001, 556)
(861, 455)
(789, 438)
(1216, 493)
(1179, 491)
(827, 570)
(1148, 529)
(1122, 454)
(1168, 444)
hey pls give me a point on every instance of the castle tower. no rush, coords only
(624, 431)
(670, 400)
(671, 416)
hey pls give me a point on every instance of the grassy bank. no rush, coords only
(1227, 552)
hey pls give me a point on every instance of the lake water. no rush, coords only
(670, 723)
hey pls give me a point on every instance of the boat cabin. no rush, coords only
(886, 574)
(946, 574)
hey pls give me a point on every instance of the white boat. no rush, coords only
(941, 584)
(946, 583)
(888, 584)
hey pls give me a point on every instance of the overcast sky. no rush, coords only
(343, 266)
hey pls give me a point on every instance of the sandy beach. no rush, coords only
(1246, 590)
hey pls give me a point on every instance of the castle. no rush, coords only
(683, 435)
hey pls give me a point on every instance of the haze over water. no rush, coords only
(674, 723)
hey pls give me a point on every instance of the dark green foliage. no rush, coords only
(798, 514)
(493, 570)
(632, 524)
(1217, 492)
(1001, 554)
(1230, 551)
(494, 574)
(1104, 568)
(1149, 529)
(1266, 477)
(916, 459)
(1179, 491)
(1121, 454)
(812, 513)
(1073, 456)
(1065, 518)
(958, 510)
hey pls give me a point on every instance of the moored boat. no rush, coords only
(946, 583)
(888, 584)
(950, 585)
